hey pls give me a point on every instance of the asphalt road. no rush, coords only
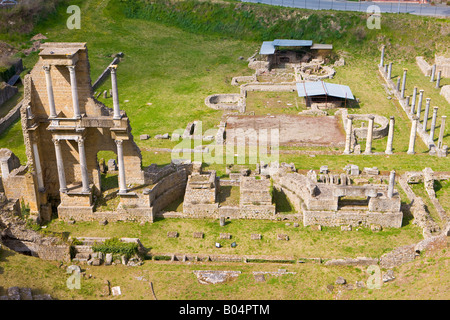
(385, 7)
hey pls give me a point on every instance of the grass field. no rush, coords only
(303, 241)
(422, 279)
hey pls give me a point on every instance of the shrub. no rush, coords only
(117, 247)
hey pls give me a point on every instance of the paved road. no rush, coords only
(390, 7)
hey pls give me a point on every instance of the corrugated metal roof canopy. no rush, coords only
(292, 43)
(268, 47)
(320, 88)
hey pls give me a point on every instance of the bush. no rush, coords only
(22, 18)
(116, 247)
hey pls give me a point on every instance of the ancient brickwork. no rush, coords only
(321, 202)
(201, 194)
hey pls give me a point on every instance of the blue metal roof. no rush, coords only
(292, 43)
(320, 88)
(268, 47)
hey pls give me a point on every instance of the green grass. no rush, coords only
(421, 279)
(303, 242)
(442, 189)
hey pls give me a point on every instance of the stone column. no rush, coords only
(390, 136)
(51, 99)
(60, 166)
(115, 93)
(74, 86)
(404, 83)
(412, 137)
(433, 124)
(433, 72)
(369, 135)
(413, 103)
(83, 165)
(120, 160)
(348, 138)
(391, 184)
(438, 81)
(441, 133)
(37, 163)
(398, 83)
(382, 56)
(389, 75)
(419, 105)
(425, 115)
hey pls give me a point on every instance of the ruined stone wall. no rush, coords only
(168, 190)
(423, 66)
(15, 235)
(96, 124)
(255, 192)
(443, 65)
(354, 218)
(125, 214)
(404, 254)
(9, 119)
(6, 92)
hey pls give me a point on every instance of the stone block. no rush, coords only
(175, 137)
(323, 169)
(371, 171)
(354, 170)
(108, 259)
(225, 236)
(255, 236)
(389, 276)
(284, 237)
(346, 228)
(340, 280)
(144, 137)
(259, 277)
(375, 227)
(172, 234)
(198, 235)
(112, 165)
(316, 227)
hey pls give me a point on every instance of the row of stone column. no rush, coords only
(74, 89)
(390, 140)
(84, 168)
(416, 117)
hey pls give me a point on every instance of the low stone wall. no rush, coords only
(226, 101)
(6, 92)
(443, 65)
(15, 235)
(408, 253)
(423, 66)
(12, 116)
(268, 87)
(236, 81)
(417, 207)
(167, 190)
(353, 218)
(445, 92)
